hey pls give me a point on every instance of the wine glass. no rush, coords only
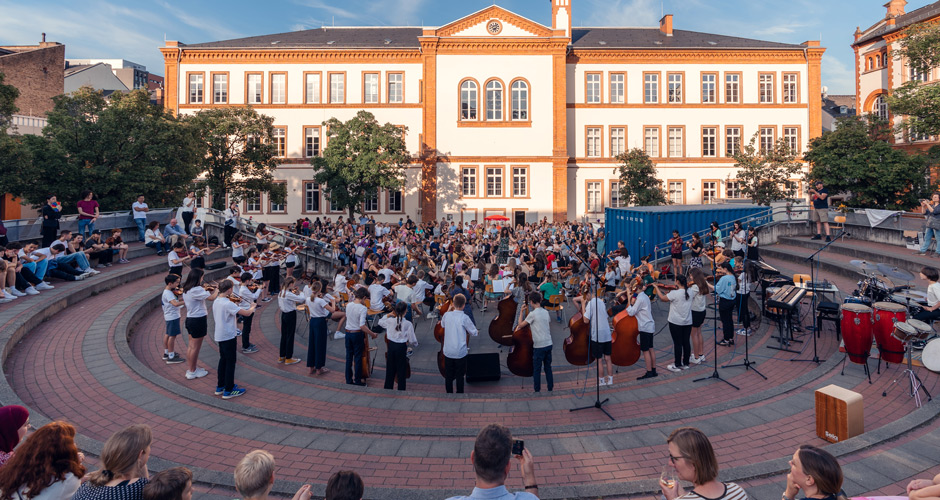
(668, 477)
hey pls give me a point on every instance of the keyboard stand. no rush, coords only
(784, 334)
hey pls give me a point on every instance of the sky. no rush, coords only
(134, 31)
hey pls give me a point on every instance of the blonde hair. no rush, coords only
(121, 452)
(253, 474)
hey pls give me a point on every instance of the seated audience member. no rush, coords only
(99, 250)
(59, 268)
(123, 463)
(35, 263)
(15, 281)
(491, 462)
(814, 473)
(924, 489)
(254, 477)
(173, 232)
(118, 246)
(693, 458)
(344, 485)
(197, 229)
(154, 239)
(171, 484)
(76, 255)
(48, 466)
(14, 422)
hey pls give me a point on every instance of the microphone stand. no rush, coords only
(715, 374)
(597, 381)
(814, 272)
(746, 363)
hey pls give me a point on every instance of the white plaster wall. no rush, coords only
(537, 205)
(508, 30)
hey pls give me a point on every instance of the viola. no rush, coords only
(439, 336)
(519, 360)
(501, 326)
(577, 346)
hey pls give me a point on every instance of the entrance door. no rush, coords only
(519, 218)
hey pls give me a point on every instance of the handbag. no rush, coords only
(933, 222)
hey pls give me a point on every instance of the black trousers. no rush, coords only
(682, 344)
(454, 369)
(744, 314)
(272, 275)
(355, 346)
(316, 343)
(49, 234)
(246, 330)
(396, 365)
(229, 234)
(187, 220)
(726, 313)
(288, 325)
(227, 364)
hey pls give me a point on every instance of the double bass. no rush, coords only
(439, 335)
(624, 349)
(520, 361)
(577, 346)
(501, 326)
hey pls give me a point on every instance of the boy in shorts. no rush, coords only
(171, 313)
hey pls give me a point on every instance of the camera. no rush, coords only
(517, 446)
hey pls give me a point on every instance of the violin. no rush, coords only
(439, 335)
(253, 287)
(501, 326)
(178, 291)
(235, 297)
(520, 361)
(577, 346)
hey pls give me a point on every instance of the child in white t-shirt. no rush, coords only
(171, 313)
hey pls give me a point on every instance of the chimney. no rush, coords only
(895, 8)
(43, 38)
(858, 33)
(665, 25)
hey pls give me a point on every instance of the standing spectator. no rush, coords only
(47, 467)
(14, 422)
(254, 477)
(694, 460)
(140, 210)
(231, 223)
(123, 472)
(186, 211)
(87, 213)
(932, 212)
(491, 458)
(171, 484)
(51, 212)
(820, 212)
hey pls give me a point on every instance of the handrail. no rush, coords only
(279, 236)
(29, 229)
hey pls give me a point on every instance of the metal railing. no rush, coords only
(277, 235)
(30, 229)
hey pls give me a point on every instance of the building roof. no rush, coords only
(900, 22)
(325, 38)
(4, 52)
(71, 70)
(833, 103)
(653, 38)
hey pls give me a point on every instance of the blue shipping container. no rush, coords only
(643, 228)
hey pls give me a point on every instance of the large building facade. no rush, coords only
(507, 116)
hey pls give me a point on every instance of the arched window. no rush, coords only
(494, 100)
(880, 107)
(468, 100)
(884, 60)
(520, 100)
(871, 64)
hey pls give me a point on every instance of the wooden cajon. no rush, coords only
(839, 414)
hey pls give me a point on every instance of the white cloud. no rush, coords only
(839, 78)
(332, 10)
(620, 13)
(215, 30)
(781, 29)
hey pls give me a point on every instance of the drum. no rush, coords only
(930, 357)
(857, 300)
(886, 314)
(904, 333)
(924, 330)
(856, 323)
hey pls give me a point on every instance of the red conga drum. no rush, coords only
(886, 314)
(856, 323)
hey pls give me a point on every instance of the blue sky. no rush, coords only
(135, 30)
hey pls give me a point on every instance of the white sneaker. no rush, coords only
(673, 368)
(48, 284)
(43, 286)
(684, 367)
(31, 291)
(81, 277)
(339, 335)
(87, 274)
(93, 271)
(610, 380)
(201, 372)
(695, 359)
(602, 380)
(15, 292)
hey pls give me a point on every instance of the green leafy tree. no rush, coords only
(8, 95)
(638, 182)
(856, 159)
(765, 176)
(118, 148)
(918, 102)
(238, 157)
(361, 158)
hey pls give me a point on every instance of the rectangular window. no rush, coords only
(617, 88)
(311, 197)
(767, 139)
(593, 88)
(617, 141)
(276, 208)
(494, 181)
(371, 203)
(312, 88)
(468, 181)
(595, 202)
(520, 182)
(253, 203)
(651, 141)
(278, 88)
(651, 88)
(791, 135)
(195, 88)
(676, 143)
(254, 87)
(915, 75)
(709, 142)
(766, 88)
(337, 88)
(615, 194)
(394, 201)
(708, 88)
(334, 207)
(396, 87)
(791, 88)
(709, 191)
(370, 88)
(732, 88)
(732, 141)
(676, 192)
(675, 88)
(311, 141)
(594, 142)
(220, 88)
(279, 138)
(733, 189)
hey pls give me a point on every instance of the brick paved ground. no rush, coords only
(97, 364)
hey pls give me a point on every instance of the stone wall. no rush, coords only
(38, 72)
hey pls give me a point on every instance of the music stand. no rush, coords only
(715, 374)
(746, 363)
(813, 273)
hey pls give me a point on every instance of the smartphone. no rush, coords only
(517, 446)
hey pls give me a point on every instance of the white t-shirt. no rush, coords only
(150, 235)
(376, 294)
(405, 334)
(540, 323)
(42, 251)
(339, 284)
(173, 256)
(195, 300)
(355, 316)
(420, 290)
(170, 312)
(642, 311)
(137, 213)
(680, 308)
(318, 308)
(287, 301)
(933, 294)
(386, 274)
(738, 245)
(238, 249)
(699, 301)
(188, 204)
(224, 312)
(600, 325)
(624, 264)
(404, 293)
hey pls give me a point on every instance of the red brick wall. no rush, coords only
(38, 73)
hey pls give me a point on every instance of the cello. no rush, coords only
(625, 350)
(577, 346)
(439, 335)
(519, 360)
(501, 326)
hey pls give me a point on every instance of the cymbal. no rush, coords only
(894, 272)
(865, 266)
(913, 295)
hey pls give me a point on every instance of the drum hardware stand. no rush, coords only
(715, 374)
(916, 384)
(785, 336)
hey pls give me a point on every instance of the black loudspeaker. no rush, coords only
(214, 265)
(482, 367)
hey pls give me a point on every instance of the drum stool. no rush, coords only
(828, 311)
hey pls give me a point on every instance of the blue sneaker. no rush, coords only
(234, 393)
(219, 391)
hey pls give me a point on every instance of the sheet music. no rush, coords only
(444, 265)
(475, 274)
(410, 272)
(499, 286)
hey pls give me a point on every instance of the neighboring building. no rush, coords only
(98, 76)
(155, 86)
(878, 71)
(131, 74)
(507, 116)
(835, 107)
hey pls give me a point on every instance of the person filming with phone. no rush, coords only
(492, 459)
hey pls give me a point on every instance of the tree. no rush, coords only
(238, 156)
(855, 158)
(919, 102)
(765, 176)
(8, 95)
(361, 158)
(119, 148)
(638, 182)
